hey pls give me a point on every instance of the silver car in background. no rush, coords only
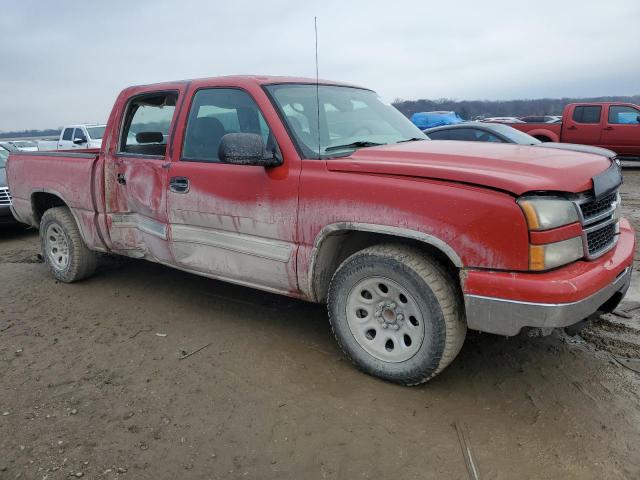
(6, 217)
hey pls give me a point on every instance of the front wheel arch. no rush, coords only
(336, 242)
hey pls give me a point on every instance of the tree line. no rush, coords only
(472, 109)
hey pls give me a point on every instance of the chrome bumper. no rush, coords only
(507, 317)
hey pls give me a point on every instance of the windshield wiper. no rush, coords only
(358, 144)
(413, 139)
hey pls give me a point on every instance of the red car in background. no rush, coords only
(615, 126)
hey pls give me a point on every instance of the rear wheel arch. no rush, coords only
(41, 201)
(44, 200)
(336, 242)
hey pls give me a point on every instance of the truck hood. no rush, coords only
(514, 168)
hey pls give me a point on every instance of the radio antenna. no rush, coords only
(315, 26)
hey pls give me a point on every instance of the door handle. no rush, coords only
(179, 184)
(608, 128)
(121, 179)
(572, 127)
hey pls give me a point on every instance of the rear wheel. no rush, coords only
(63, 249)
(396, 313)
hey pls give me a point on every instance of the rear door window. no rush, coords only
(587, 114)
(67, 134)
(147, 122)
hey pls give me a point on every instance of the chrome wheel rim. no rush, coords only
(385, 319)
(56, 246)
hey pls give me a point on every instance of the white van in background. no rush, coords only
(75, 137)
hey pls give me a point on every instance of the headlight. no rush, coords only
(551, 255)
(545, 213)
(548, 213)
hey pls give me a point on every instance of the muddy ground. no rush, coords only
(91, 385)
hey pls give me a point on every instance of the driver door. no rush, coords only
(233, 222)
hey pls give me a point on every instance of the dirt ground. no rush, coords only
(91, 385)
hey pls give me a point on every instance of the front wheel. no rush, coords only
(63, 249)
(396, 313)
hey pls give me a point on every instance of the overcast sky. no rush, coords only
(65, 61)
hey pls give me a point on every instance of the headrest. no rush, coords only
(149, 137)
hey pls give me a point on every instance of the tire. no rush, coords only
(421, 308)
(63, 249)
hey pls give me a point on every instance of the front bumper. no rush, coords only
(505, 302)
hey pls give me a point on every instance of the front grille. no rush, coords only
(593, 208)
(5, 198)
(601, 239)
(600, 227)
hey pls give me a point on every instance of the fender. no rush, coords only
(331, 229)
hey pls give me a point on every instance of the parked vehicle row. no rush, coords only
(75, 137)
(325, 193)
(19, 146)
(615, 126)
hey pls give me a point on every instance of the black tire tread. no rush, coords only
(83, 261)
(443, 287)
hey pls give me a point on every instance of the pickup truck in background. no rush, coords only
(615, 126)
(409, 242)
(75, 137)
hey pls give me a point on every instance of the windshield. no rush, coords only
(516, 136)
(350, 118)
(3, 157)
(96, 133)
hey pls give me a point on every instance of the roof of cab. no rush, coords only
(244, 80)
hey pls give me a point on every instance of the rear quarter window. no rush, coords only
(587, 114)
(439, 135)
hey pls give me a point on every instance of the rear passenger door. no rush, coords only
(234, 222)
(136, 176)
(66, 140)
(583, 125)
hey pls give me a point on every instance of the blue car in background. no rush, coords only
(424, 120)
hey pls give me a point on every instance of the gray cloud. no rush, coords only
(64, 62)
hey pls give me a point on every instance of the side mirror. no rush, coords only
(246, 149)
(79, 141)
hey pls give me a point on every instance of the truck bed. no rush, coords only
(32, 175)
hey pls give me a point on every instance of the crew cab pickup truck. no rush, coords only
(409, 242)
(615, 126)
(75, 137)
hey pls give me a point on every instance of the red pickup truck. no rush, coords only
(409, 242)
(615, 126)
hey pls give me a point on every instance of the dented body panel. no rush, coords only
(286, 229)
